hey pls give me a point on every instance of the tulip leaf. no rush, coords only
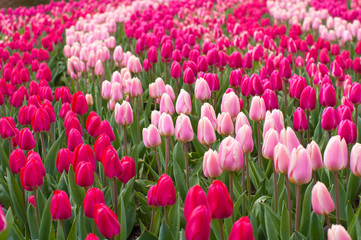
(180, 180)
(284, 224)
(306, 210)
(77, 193)
(123, 220)
(72, 232)
(349, 213)
(164, 232)
(10, 222)
(270, 226)
(178, 155)
(351, 228)
(33, 222)
(146, 235)
(16, 196)
(174, 218)
(59, 231)
(316, 230)
(46, 222)
(4, 158)
(358, 229)
(352, 187)
(50, 161)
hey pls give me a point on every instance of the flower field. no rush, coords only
(175, 119)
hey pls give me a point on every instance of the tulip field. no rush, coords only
(181, 119)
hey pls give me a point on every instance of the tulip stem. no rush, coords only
(298, 204)
(125, 141)
(289, 205)
(86, 81)
(36, 205)
(190, 91)
(248, 180)
(356, 118)
(63, 227)
(151, 220)
(52, 133)
(43, 145)
(328, 221)
(157, 158)
(337, 198)
(94, 227)
(220, 221)
(138, 112)
(4, 110)
(329, 135)
(186, 156)
(115, 196)
(243, 190)
(166, 214)
(259, 144)
(11, 148)
(167, 149)
(308, 130)
(275, 187)
(231, 190)
(314, 175)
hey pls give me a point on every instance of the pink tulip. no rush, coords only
(134, 65)
(154, 117)
(244, 137)
(208, 111)
(335, 156)
(281, 157)
(106, 90)
(151, 137)
(184, 103)
(98, 69)
(241, 120)
(230, 155)
(225, 124)
(166, 104)
(347, 130)
(257, 111)
(183, 129)
(289, 138)
(169, 90)
(300, 170)
(165, 125)
(211, 166)
(315, 155)
(300, 123)
(205, 132)
(269, 143)
(322, 203)
(123, 114)
(116, 92)
(201, 90)
(355, 160)
(231, 104)
(337, 232)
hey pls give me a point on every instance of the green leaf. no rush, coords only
(316, 230)
(123, 221)
(284, 227)
(10, 222)
(352, 186)
(50, 161)
(72, 233)
(146, 235)
(174, 218)
(180, 180)
(77, 193)
(46, 222)
(306, 210)
(33, 222)
(16, 196)
(59, 231)
(164, 232)
(270, 227)
(178, 155)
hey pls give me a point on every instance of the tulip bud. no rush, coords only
(242, 229)
(289, 138)
(336, 154)
(129, 169)
(219, 201)
(151, 137)
(205, 132)
(308, 99)
(84, 174)
(91, 236)
(26, 139)
(3, 223)
(83, 153)
(300, 169)
(270, 99)
(230, 155)
(40, 121)
(16, 161)
(328, 119)
(208, 111)
(79, 104)
(269, 143)
(111, 163)
(201, 90)
(337, 232)
(175, 70)
(106, 220)
(164, 191)
(347, 130)
(184, 103)
(300, 123)
(327, 95)
(92, 124)
(188, 76)
(151, 199)
(102, 142)
(92, 197)
(322, 203)
(285, 68)
(257, 110)
(225, 124)
(195, 197)
(123, 114)
(211, 166)
(154, 117)
(165, 126)
(199, 224)
(244, 137)
(75, 139)
(116, 92)
(63, 160)
(183, 129)
(355, 93)
(315, 155)
(105, 128)
(60, 206)
(281, 157)
(33, 172)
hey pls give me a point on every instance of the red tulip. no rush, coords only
(102, 142)
(40, 121)
(106, 220)
(78, 103)
(129, 169)
(164, 191)
(105, 128)
(195, 197)
(92, 124)
(92, 197)
(84, 174)
(75, 139)
(63, 160)
(199, 224)
(32, 173)
(242, 230)
(7, 127)
(219, 201)
(16, 160)
(60, 207)
(83, 153)
(111, 163)
(26, 139)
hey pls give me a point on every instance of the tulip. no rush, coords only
(79, 104)
(211, 166)
(60, 206)
(3, 222)
(315, 157)
(257, 111)
(63, 160)
(195, 197)
(165, 126)
(242, 229)
(329, 120)
(129, 169)
(275, 119)
(32, 173)
(231, 104)
(166, 104)
(347, 131)
(184, 103)
(75, 139)
(17, 160)
(92, 124)
(83, 153)
(183, 129)
(321, 200)
(89, 99)
(230, 155)
(299, 172)
(105, 128)
(289, 138)
(225, 124)
(106, 90)
(26, 139)
(188, 76)
(270, 99)
(92, 197)
(327, 95)
(308, 99)
(300, 123)
(201, 90)
(165, 193)
(205, 132)
(123, 114)
(151, 198)
(116, 92)
(199, 224)
(111, 163)
(219, 202)
(355, 162)
(40, 121)
(337, 232)
(91, 236)
(84, 174)
(154, 117)
(106, 220)
(208, 111)
(336, 154)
